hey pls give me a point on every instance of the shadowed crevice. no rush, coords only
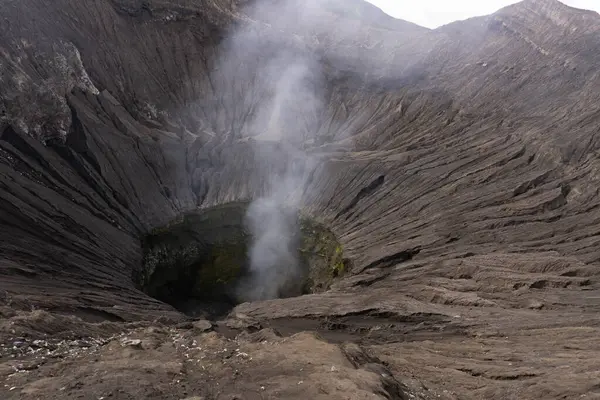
(364, 192)
(394, 259)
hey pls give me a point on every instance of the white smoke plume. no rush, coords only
(272, 70)
(275, 269)
(272, 219)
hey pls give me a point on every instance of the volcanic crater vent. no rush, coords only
(199, 263)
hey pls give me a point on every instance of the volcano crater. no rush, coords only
(199, 263)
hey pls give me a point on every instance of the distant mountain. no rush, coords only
(369, 14)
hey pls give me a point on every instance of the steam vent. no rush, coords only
(277, 199)
(200, 263)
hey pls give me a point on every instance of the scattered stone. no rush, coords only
(185, 325)
(202, 326)
(137, 343)
(240, 321)
(536, 305)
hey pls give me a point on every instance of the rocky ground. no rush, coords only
(192, 361)
(457, 167)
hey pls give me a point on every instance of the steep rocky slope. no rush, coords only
(457, 167)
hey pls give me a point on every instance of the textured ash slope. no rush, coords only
(460, 175)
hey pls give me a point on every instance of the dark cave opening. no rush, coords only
(197, 262)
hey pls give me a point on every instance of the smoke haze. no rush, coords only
(270, 65)
(281, 124)
(285, 106)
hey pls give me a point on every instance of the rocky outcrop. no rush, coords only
(457, 167)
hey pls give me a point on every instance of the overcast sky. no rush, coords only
(434, 13)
